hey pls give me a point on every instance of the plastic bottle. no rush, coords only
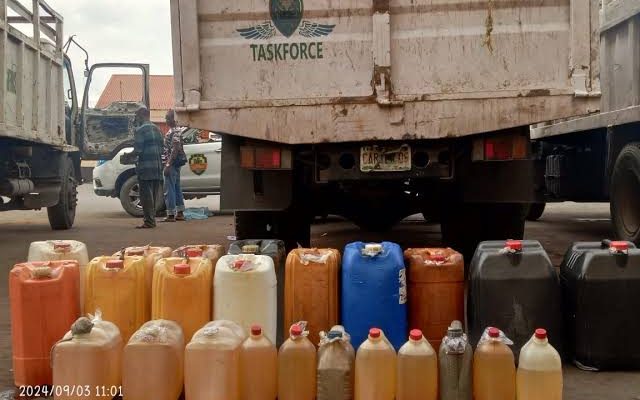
(494, 369)
(89, 356)
(153, 362)
(375, 368)
(539, 373)
(297, 367)
(258, 367)
(212, 363)
(417, 369)
(336, 365)
(455, 359)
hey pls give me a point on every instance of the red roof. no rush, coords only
(129, 88)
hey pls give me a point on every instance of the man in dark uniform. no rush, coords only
(148, 143)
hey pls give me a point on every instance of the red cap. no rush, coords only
(61, 246)
(114, 264)
(494, 332)
(256, 330)
(374, 333)
(438, 257)
(296, 330)
(541, 333)
(182, 269)
(194, 252)
(619, 246)
(415, 334)
(514, 245)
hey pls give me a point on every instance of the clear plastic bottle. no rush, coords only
(336, 365)
(455, 359)
(258, 367)
(417, 369)
(539, 373)
(297, 367)
(494, 369)
(375, 368)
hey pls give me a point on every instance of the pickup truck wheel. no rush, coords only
(292, 228)
(62, 215)
(535, 211)
(625, 194)
(466, 225)
(130, 198)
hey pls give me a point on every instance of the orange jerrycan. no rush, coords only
(494, 368)
(87, 361)
(258, 367)
(212, 362)
(44, 303)
(297, 366)
(182, 292)
(153, 362)
(151, 254)
(417, 369)
(312, 290)
(375, 368)
(336, 365)
(539, 373)
(117, 288)
(57, 250)
(435, 280)
(211, 251)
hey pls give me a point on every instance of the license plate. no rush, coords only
(385, 158)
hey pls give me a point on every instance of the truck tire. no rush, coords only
(535, 211)
(466, 225)
(625, 194)
(294, 229)
(130, 198)
(62, 215)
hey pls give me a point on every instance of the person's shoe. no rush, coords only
(180, 216)
(145, 226)
(169, 218)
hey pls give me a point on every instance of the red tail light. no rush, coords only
(500, 148)
(265, 158)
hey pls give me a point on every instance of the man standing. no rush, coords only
(148, 149)
(173, 158)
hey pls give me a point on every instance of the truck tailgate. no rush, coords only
(307, 71)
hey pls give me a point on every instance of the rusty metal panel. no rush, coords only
(389, 69)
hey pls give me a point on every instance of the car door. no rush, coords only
(112, 95)
(202, 171)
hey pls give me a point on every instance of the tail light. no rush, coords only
(258, 157)
(500, 148)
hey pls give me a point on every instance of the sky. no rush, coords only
(137, 31)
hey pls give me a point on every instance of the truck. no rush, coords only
(45, 128)
(378, 109)
(596, 158)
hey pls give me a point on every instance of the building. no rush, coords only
(129, 88)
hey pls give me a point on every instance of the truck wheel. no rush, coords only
(292, 228)
(625, 194)
(130, 198)
(535, 211)
(62, 215)
(466, 225)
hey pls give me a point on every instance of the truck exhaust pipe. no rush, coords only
(16, 187)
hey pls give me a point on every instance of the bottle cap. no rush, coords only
(194, 252)
(374, 333)
(415, 334)
(515, 245)
(494, 332)
(250, 249)
(296, 330)
(455, 330)
(114, 264)
(182, 269)
(619, 246)
(42, 272)
(438, 258)
(373, 248)
(256, 330)
(61, 246)
(334, 334)
(541, 333)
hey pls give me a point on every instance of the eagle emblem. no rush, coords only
(286, 17)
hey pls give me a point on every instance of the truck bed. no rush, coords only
(313, 71)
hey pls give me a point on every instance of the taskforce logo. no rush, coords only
(286, 18)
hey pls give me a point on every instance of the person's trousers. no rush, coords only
(148, 194)
(173, 198)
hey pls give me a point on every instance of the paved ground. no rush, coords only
(105, 228)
